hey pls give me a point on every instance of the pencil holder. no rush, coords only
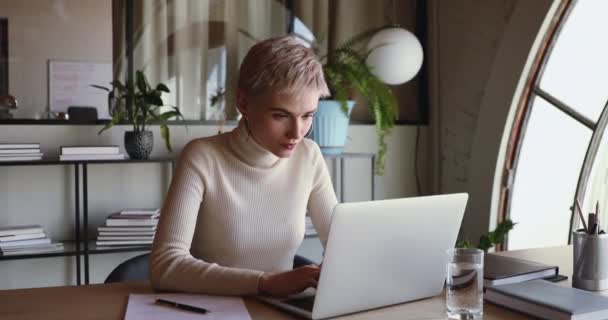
(590, 263)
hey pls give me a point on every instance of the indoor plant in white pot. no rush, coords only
(347, 73)
(143, 110)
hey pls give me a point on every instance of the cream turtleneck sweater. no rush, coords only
(235, 210)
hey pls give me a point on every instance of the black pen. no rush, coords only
(181, 306)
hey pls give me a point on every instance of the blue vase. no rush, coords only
(330, 126)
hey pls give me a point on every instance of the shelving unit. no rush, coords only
(81, 249)
(78, 247)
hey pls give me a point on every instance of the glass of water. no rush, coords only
(464, 285)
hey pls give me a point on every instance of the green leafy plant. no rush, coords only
(144, 107)
(346, 73)
(490, 239)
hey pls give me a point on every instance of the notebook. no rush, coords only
(547, 300)
(143, 306)
(499, 270)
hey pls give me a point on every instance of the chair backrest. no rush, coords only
(138, 268)
(134, 269)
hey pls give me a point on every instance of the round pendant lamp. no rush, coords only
(396, 55)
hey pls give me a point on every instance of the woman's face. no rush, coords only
(278, 122)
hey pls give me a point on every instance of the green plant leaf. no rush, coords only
(153, 99)
(100, 87)
(116, 118)
(162, 87)
(118, 85)
(464, 244)
(164, 132)
(168, 115)
(484, 243)
(140, 80)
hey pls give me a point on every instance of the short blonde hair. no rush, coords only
(282, 64)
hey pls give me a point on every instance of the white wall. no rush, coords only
(44, 194)
(42, 30)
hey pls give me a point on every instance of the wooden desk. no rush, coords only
(109, 301)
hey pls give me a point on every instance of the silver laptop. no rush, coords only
(381, 253)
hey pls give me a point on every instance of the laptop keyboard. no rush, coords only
(305, 303)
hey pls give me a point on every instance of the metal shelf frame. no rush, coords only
(81, 247)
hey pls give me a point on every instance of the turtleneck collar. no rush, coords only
(248, 150)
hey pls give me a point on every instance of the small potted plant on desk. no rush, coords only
(139, 105)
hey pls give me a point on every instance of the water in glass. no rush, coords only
(464, 290)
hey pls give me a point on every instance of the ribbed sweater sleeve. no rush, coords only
(322, 199)
(172, 266)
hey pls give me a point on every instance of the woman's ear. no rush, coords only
(241, 102)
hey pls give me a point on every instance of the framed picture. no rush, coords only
(3, 56)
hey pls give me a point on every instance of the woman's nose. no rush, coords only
(295, 132)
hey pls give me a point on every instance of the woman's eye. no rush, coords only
(308, 116)
(279, 116)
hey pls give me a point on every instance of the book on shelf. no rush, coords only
(20, 229)
(141, 216)
(499, 270)
(32, 251)
(140, 211)
(47, 248)
(109, 247)
(546, 300)
(33, 247)
(81, 150)
(25, 236)
(123, 242)
(20, 158)
(76, 157)
(115, 238)
(20, 145)
(21, 243)
(126, 233)
(131, 222)
(19, 151)
(5, 155)
(151, 228)
(117, 219)
(309, 228)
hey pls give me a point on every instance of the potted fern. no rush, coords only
(143, 110)
(347, 73)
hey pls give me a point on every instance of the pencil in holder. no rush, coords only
(590, 263)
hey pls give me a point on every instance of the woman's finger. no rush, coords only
(313, 283)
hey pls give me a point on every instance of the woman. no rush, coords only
(235, 213)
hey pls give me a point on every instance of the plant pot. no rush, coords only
(330, 126)
(138, 144)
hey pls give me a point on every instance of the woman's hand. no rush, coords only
(289, 282)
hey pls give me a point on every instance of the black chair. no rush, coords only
(138, 268)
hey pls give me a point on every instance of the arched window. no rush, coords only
(558, 151)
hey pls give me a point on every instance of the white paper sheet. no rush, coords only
(142, 306)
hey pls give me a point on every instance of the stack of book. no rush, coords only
(75, 153)
(130, 227)
(310, 228)
(499, 270)
(26, 239)
(20, 152)
(545, 300)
